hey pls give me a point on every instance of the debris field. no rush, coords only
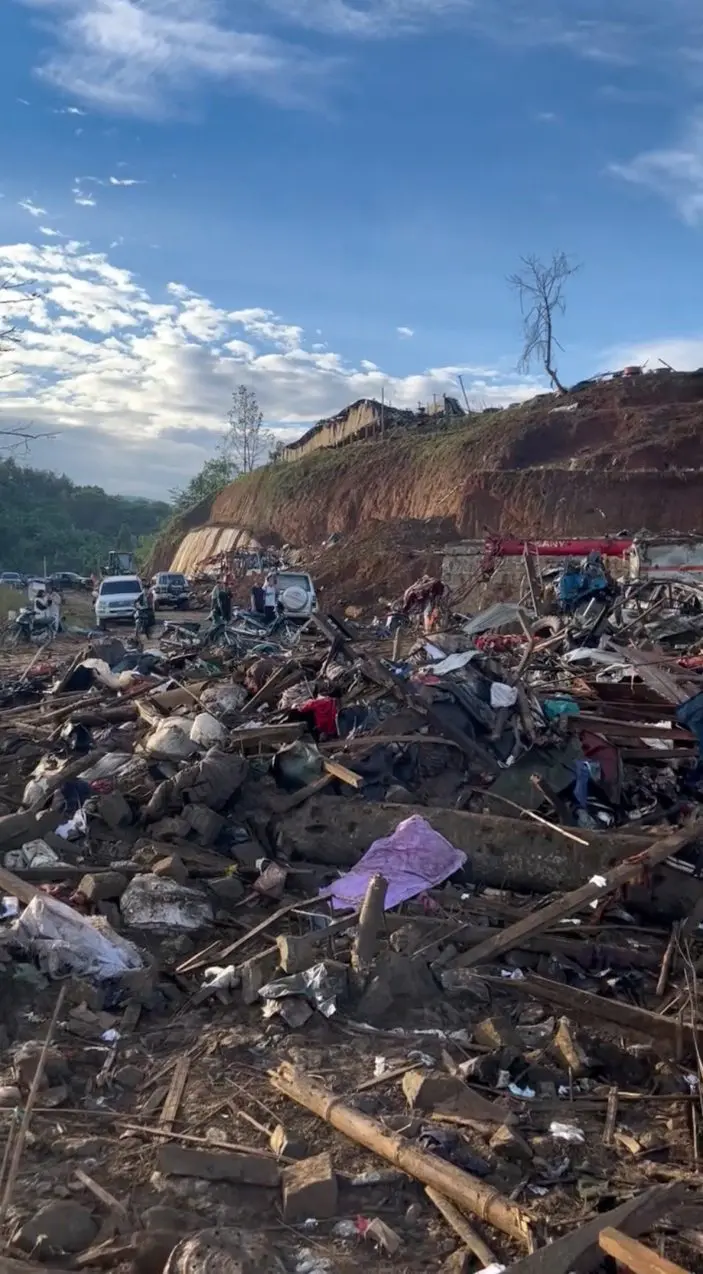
(366, 948)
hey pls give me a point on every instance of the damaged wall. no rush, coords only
(200, 546)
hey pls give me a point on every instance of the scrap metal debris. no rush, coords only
(363, 945)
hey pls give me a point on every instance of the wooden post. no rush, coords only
(461, 1227)
(460, 1187)
(632, 1255)
(370, 925)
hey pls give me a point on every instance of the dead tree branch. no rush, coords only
(540, 287)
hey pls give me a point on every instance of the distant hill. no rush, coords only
(45, 517)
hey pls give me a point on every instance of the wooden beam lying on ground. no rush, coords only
(588, 1007)
(515, 935)
(453, 1183)
(634, 1256)
(578, 1252)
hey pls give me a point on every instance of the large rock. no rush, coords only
(62, 1226)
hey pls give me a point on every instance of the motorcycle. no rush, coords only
(27, 627)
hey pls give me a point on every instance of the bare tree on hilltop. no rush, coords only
(246, 443)
(540, 287)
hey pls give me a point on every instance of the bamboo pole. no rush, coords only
(457, 1221)
(460, 1187)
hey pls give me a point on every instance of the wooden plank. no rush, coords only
(578, 1251)
(585, 1006)
(633, 1255)
(175, 1093)
(341, 772)
(515, 935)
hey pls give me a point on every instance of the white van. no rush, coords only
(116, 599)
(296, 594)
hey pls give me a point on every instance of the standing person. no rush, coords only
(53, 609)
(258, 598)
(221, 603)
(144, 615)
(271, 597)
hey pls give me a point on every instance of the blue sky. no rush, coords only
(323, 198)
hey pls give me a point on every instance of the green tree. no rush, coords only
(215, 474)
(246, 443)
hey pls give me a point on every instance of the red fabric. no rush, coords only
(324, 713)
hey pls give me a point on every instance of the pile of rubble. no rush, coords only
(383, 946)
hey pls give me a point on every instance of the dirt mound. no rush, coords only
(380, 560)
(620, 454)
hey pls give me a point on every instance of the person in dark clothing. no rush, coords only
(221, 603)
(144, 616)
(258, 600)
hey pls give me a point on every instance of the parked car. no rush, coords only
(68, 579)
(11, 579)
(116, 599)
(170, 590)
(296, 594)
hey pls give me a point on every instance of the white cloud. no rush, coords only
(145, 381)
(147, 57)
(405, 331)
(82, 198)
(676, 173)
(125, 181)
(684, 354)
(51, 234)
(141, 56)
(33, 209)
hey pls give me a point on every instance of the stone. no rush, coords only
(396, 980)
(114, 810)
(227, 889)
(569, 1050)
(171, 866)
(82, 991)
(110, 910)
(129, 1077)
(285, 1146)
(26, 1059)
(153, 1248)
(161, 1217)
(9, 1097)
(82, 1147)
(458, 1263)
(437, 1091)
(508, 1143)
(398, 795)
(204, 822)
(57, 1227)
(253, 1170)
(497, 1032)
(465, 983)
(255, 973)
(310, 1189)
(104, 886)
(295, 954)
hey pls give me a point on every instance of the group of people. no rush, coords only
(264, 602)
(47, 608)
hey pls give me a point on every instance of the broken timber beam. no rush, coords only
(588, 1007)
(578, 1253)
(538, 921)
(453, 1183)
(634, 1256)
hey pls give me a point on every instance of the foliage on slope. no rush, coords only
(45, 517)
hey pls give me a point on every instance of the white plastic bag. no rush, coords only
(67, 940)
(207, 732)
(170, 740)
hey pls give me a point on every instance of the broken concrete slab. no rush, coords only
(247, 1169)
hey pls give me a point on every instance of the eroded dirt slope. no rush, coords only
(626, 454)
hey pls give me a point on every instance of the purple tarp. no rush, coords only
(413, 858)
